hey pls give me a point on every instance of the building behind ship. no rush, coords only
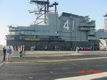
(101, 35)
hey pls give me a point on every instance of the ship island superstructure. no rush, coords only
(53, 32)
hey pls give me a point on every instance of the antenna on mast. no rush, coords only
(55, 4)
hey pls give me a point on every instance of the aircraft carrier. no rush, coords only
(53, 32)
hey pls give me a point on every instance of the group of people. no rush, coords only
(7, 51)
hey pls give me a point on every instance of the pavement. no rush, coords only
(56, 56)
(39, 67)
(51, 71)
(1, 58)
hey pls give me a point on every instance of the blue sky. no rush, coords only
(15, 12)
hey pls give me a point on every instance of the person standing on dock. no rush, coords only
(20, 50)
(77, 49)
(8, 53)
(4, 53)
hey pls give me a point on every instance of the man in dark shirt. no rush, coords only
(4, 53)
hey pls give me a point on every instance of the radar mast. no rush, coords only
(42, 9)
